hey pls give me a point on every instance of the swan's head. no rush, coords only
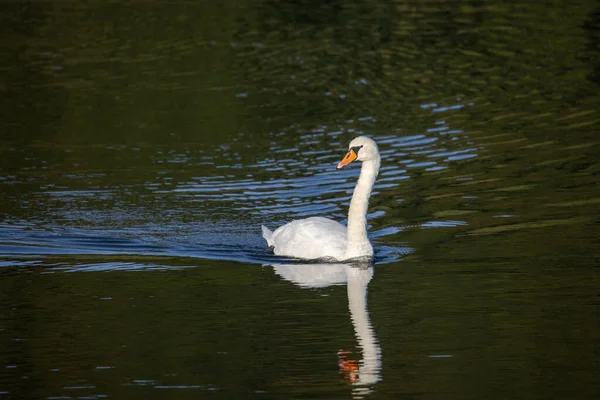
(361, 148)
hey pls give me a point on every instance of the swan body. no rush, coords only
(310, 238)
(322, 238)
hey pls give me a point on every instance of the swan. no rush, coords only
(323, 238)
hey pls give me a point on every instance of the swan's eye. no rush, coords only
(356, 149)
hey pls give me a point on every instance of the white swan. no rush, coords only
(317, 237)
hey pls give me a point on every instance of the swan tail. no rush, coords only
(268, 235)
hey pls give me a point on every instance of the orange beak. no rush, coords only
(348, 158)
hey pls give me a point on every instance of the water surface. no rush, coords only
(143, 145)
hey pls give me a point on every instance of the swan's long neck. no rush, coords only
(358, 242)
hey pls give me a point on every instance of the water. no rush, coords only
(143, 145)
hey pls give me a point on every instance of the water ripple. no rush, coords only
(216, 214)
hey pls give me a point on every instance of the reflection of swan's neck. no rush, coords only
(358, 279)
(358, 242)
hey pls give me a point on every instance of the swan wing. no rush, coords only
(311, 238)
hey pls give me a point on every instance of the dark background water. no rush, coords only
(143, 144)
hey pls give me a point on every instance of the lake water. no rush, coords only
(144, 143)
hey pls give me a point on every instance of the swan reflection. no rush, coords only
(363, 373)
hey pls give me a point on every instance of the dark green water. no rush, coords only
(144, 143)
